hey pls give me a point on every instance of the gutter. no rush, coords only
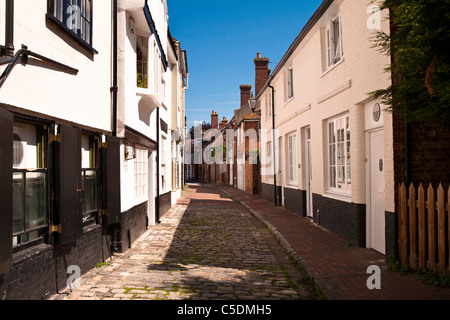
(152, 27)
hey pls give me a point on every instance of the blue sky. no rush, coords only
(222, 38)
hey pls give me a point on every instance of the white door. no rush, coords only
(309, 203)
(231, 173)
(240, 176)
(377, 192)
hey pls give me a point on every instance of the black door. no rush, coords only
(111, 179)
(6, 196)
(67, 175)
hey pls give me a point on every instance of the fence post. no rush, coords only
(412, 227)
(403, 232)
(441, 227)
(431, 228)
(422, 232)
(448, 222)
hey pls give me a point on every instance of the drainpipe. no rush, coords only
(273, 145)
(9, 29)
(157, 166)
(114, 88)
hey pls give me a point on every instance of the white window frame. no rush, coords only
(292, 161)
(334, 47)
(339, 155)
(269, 105)
(289, 83)
(141, 174)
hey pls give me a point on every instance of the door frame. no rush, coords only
(369, 215)
(308, 173)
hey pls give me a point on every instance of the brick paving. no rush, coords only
(338, 268)
(206, 248)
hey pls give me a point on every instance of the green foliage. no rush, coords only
(420, 69)
(101, 264)
(429, 276)
(142, 80)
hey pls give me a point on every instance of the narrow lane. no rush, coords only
(207, 247)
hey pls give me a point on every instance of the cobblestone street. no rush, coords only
(206, 247)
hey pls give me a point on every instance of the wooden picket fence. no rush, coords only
(424, 230)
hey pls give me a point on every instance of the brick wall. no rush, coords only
(295, 201)
(134, 224)
(39, 271)
(348, 220)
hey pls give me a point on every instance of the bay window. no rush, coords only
(142, 61)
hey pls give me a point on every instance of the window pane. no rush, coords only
(18, 202)
(88, 10)
(142, 61)
(333, 177)
(35, 200)
(89, 182)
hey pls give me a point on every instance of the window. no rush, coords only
(89, 176)
(29, 184)
(292, 157)
(140, 174)
(290, 83)
(142, 61)
(334, 42)
(74, 15)
(157, 69)
(269, 104)
(339, 155)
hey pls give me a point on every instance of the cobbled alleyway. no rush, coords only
(207, 247)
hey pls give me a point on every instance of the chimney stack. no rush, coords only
(214, 120)
(223, 123)
(246, 90)
(262, 72)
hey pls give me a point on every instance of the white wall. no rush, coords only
(83, 99)
(320, 95)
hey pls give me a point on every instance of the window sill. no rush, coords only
(71, 34)
(341, 197)
(329, 69)
(288, 100)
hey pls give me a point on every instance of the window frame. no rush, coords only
(61, 21)
(292, 159)
(94, 166)
(41, 167)
(331, 46)
(147, 39)
(289, 83)
(268, 105)
(333, 186)
(141, 174)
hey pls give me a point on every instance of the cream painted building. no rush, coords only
(151, 85)
(333, 144)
